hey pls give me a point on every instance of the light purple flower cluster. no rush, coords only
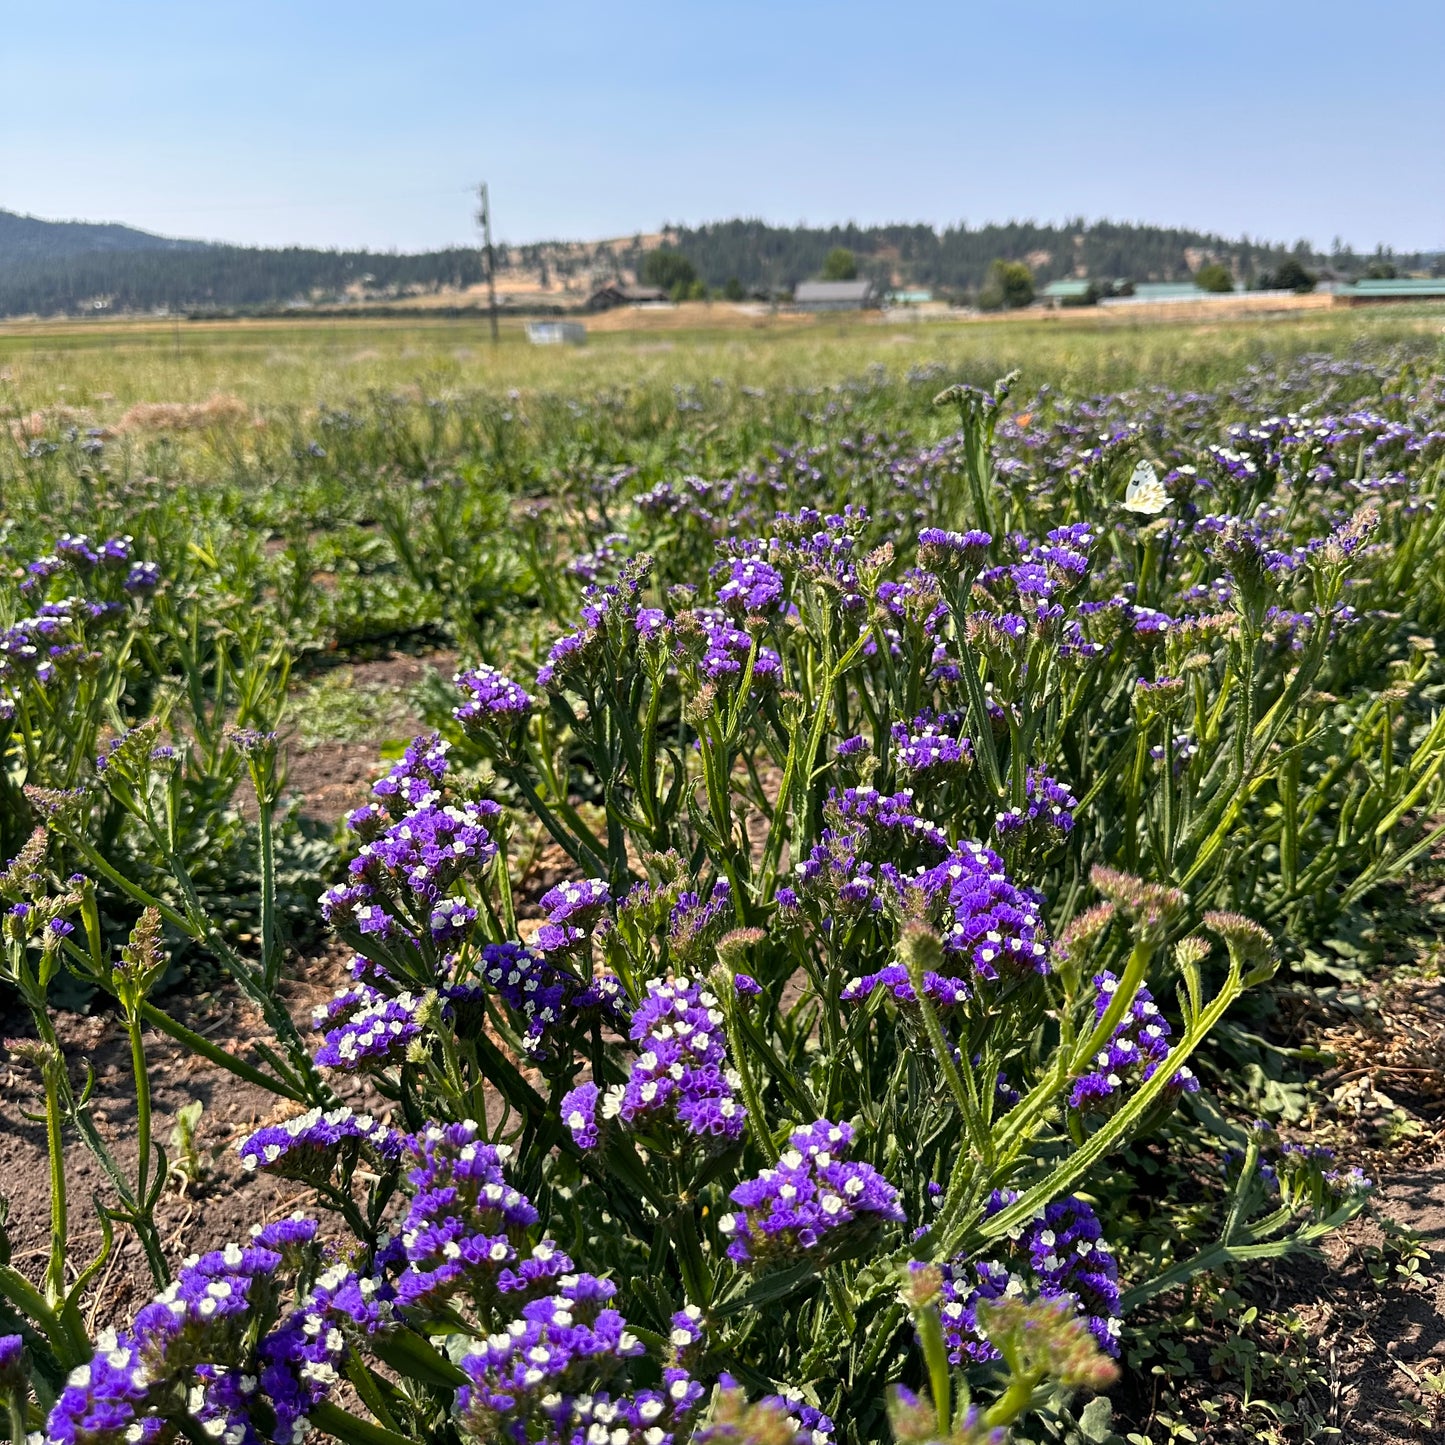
(1059, 1254)
(309, 1146)
(550, 1378)
(572, 908)
(680, 1072)
(1139, 1045)
(753, 587)
(815, 1204)
(493, 702)
(466, 1230)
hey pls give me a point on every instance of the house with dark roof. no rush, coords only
(835, 295)
(616, 293)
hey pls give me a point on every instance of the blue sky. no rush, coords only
(366, 124)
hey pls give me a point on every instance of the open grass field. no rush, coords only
(111, 365)
(757, 880)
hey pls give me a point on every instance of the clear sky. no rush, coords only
(362, 123)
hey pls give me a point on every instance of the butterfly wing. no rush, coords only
(1145, 492)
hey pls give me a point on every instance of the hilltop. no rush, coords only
(76, 267)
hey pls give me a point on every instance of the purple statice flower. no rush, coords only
(753, 587)
(549, 998)
(450, 920)
(835, 877)
(889, 819)
(428, 849)
(681, 1069)
(1138, 1046)
(191, 1351)
(989, 926)
(815, 1204)
(693, 923)
(340, 902)
(13, 1383)
(142, 577)
(941, 551)
(77, 551)
(785, 1419)
(1060, 1254)
(415, 781)
(367, 1029)
(653, 624)
(579, 1114)
(578, 901)
(727, 649)
(546, 1377)
(1049, 812)
(852, 747)
(602, 560)
(467, 1229)
(308, 1147)
(932, 746)
(493, 700)
(1031, 579)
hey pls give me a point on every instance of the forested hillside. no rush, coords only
(72, 267)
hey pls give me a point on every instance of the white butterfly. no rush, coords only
(1145, 492)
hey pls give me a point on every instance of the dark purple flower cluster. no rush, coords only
(367, 1029)
(815, 1204)
(550, 1378)
(1049, 812)
(1060, 1254)
(936, 746)
(727, 648)
(1139, 1045)
(309, 1146)
(942, 551)
(466, 1230)
(550, 999)
(680, 1072)
(493, 700)
(189, 1352)
(987, 923)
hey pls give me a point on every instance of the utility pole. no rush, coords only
(484, 220)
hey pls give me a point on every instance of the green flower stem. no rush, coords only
(208, 1049)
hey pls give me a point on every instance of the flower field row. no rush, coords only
(939, 810)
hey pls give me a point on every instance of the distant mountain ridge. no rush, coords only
(29, 236)
(80, 267)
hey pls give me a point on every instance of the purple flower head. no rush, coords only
(309, 1146)
(1060, 1254)
(143, 577)
(815, 1204)
(493, 701)
(577, 902)
(752, 587)
(942, 551)
(1134, 1052)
